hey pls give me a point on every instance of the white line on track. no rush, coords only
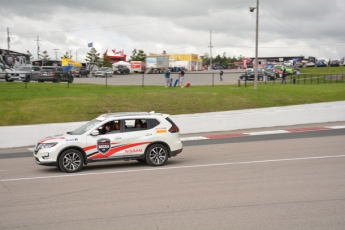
(169, 168)
(267, 132)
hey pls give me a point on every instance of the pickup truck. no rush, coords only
(24, 74)
(78, 71)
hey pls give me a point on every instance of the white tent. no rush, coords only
(122, 63)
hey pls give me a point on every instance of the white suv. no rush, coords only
(145, 137)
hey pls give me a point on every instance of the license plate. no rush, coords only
(44, 74)
(22, 75)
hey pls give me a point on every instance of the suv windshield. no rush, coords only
(86, 127)
(23, 68)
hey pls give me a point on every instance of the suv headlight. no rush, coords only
(47, 145)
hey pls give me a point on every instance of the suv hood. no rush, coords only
(16, 71)
(59, 138)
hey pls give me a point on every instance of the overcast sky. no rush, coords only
(286, 28)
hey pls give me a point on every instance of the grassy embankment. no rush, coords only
(49, 103)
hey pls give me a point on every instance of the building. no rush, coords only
(191, 62)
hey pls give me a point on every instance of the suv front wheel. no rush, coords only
(71, 161)
(157, 155)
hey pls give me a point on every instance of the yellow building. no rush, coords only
(189, 61)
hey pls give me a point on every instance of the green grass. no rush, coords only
(323, 70)
(49, 103)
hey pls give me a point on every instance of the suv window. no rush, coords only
(135, 125)
(153, 122)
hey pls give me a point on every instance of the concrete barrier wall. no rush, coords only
(28, 135)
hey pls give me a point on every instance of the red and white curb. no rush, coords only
(296, 130)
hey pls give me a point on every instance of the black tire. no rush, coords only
(156, 155)
(40, 81)
(58, 79)
(141, 160)
(70, 80)
(27, 79)
(71, 161)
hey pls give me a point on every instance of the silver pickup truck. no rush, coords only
(24, 73)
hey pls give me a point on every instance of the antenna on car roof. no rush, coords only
(152, 112)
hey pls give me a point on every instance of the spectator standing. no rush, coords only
(181, 78)
(221, 75)
(167, 77)
(283, 77)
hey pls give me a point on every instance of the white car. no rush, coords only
(145, 137)
(104, 72)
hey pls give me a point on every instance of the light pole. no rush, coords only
(251, 9)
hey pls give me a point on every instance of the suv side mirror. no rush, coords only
(95, 133)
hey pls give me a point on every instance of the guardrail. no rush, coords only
(28, 135)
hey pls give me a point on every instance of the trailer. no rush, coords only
(157, 64)
(11, 59)
(138, 66)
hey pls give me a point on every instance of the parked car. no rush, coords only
(78, 71)
(334, 63)
(121, 69)
(299, 64)
(250, 75)
(4, 72)
(24, 74)
(321, 63)
(145, 137)
(280, 68)
(104, 72)
(54, 74)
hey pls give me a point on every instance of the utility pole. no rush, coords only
(210, 49)
(251, 9)
(256, 46)
(8, 38)
(76, 56)
(70, 55)
(56, 53)
(38, 47)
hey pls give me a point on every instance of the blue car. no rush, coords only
(321, 63)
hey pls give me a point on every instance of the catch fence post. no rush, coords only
(213, 80)
(142, 83)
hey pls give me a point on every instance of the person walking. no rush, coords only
(167, 77)
(181, 78)
(221, 75)
(283, 77)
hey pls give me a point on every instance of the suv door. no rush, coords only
(136, 139)
(104, 146)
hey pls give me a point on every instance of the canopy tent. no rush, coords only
(121, 63)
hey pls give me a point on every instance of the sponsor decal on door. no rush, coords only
(103, 145)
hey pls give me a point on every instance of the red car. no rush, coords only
(78, 71)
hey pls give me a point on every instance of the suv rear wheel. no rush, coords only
(58, 79)
(27, 79)
(71, 161)
(157, 155)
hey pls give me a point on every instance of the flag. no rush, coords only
(90, 45)
(114, 51)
